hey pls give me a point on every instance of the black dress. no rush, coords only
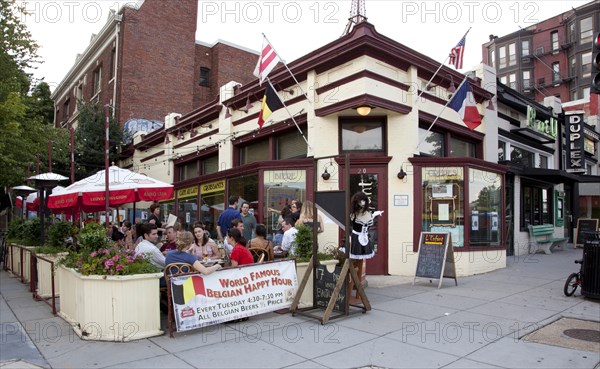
(158, 224)
(361, 246)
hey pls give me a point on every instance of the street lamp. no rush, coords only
(45, 182)
(23, 191)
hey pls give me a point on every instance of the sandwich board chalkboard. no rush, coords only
(435, 258)
(325, 284)
(585, 225)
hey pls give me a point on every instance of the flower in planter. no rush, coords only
(110, 261)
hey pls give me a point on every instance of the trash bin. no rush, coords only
(591, 266)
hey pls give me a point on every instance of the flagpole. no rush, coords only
(436, 72)
(439, 114)
(289, 113)
(288, 69)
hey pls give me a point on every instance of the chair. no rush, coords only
(259, 255)
(171, 270)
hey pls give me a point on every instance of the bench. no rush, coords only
(541, 237)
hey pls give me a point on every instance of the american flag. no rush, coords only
(457, 53)
(267, 61)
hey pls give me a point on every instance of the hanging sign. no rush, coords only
(575, 142)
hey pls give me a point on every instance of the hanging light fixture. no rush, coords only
(180, 135)
(193, 132)
(167, 140)
(227, 113)
(452, 88)
(490, 105)
(248, 104)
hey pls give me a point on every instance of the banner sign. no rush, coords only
(575, 160)
(228, 294)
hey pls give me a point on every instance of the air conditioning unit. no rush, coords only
(539, 50)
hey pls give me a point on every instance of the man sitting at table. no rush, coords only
(239, 225)
(288, 242)
(183, 242)
(147, 247)
(170, 244)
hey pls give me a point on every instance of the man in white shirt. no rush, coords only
(288, 243)
(147, 247)
(236, 223)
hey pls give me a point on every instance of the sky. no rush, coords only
(64, 28)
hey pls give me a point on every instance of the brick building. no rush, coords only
(146, 63)
(549, 58)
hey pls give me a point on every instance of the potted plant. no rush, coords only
(108, 293)
(303, 253)
(54, 250)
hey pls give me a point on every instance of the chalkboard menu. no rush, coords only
(325, 284)
(583, 226)
(435, 259)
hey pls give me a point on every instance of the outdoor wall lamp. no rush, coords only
(227, 113)
(325, 175)
(364, 110)
(401, 173)
(248, 104)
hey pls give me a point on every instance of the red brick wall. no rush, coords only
(226, 63)
(158, 47)
(542, 37)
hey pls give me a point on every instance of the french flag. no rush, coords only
(463, 102)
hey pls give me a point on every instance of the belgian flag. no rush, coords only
(270, 103)
(183, 293)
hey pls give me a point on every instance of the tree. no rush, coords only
(24, 119)
(89, 139)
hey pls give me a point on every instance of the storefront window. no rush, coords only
(212, 198)
(485, 199)
(443, 195)
(280, 188)
(187, 199)
(246, 187)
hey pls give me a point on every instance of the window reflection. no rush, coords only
(485, 196)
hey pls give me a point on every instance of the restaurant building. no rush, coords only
(366, 96)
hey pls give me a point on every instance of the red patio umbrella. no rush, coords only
(125, 186)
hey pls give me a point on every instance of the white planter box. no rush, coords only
(306, 299)
(27, 262)
(44, 275)
(110, 308)
(15, 260)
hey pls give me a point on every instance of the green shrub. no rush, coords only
(92, 237)
(303, 241)
(58, 232)
(16, 230)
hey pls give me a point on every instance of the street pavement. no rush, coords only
(481, 323)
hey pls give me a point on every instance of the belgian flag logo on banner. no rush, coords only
(184, 292)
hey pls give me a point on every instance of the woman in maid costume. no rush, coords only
(361, 246)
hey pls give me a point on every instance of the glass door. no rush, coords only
(373, 182)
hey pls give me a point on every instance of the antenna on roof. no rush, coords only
(358, 14)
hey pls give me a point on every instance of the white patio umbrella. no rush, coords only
(124, 186)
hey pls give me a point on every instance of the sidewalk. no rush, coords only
(478, 324)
